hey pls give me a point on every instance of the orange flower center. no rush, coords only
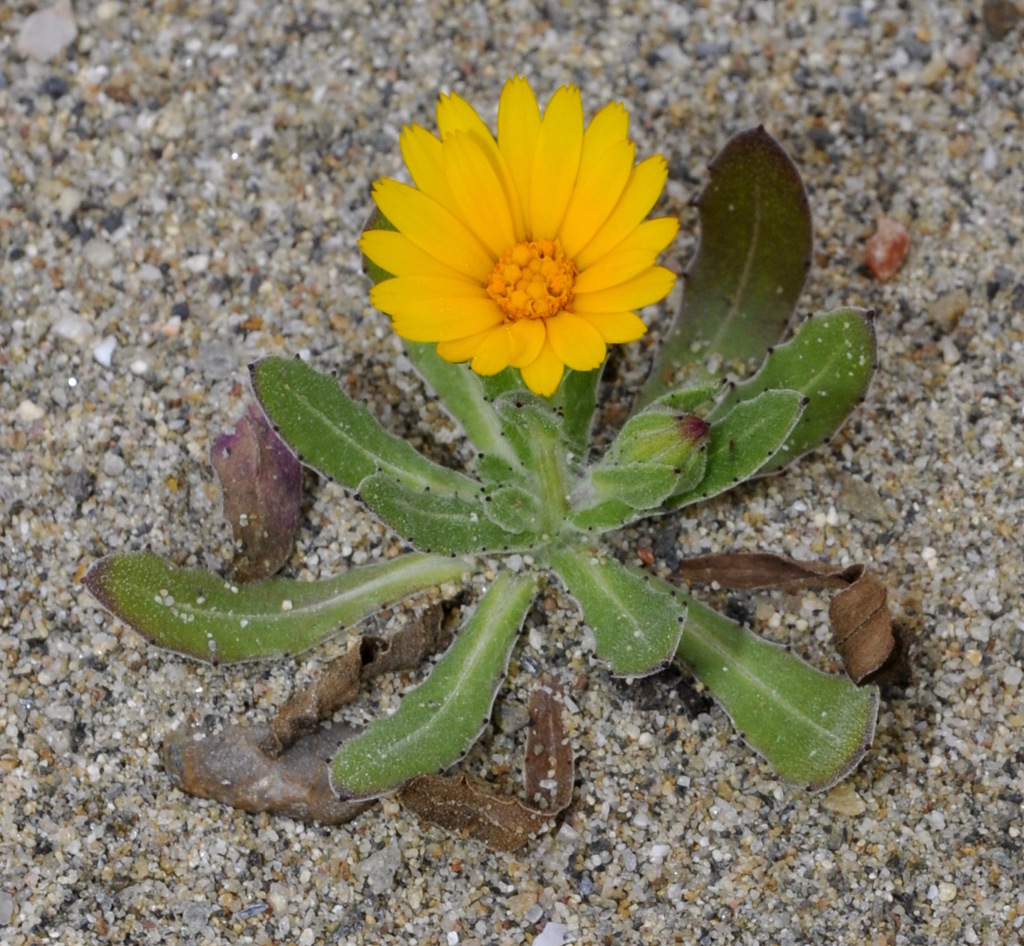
(533, 280)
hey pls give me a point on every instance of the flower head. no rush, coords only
(530, 250)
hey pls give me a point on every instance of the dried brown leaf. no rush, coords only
(873, 649)
(475, 809)
(283, 768)
(261, 482)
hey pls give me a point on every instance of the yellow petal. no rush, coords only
(528, 338)
(595, 195)
(631, 257)
(423, 157)
(479, 197)
(462, 349)
(454, 114)
(650, 286)
(608, 127)
(544, 373)
(396, 254)
(432, 228)
(518, 128)
(616, 327)
(576, 341)
(493, 353)
(556, 162)
(638, 197)
(422, 312)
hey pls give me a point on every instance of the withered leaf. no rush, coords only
(283, 768)
(476, 809)
(872, 647)
(231, 767)
(261, 481)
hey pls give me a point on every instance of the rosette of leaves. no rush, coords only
(537, 491)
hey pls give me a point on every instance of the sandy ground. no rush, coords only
(181, 193)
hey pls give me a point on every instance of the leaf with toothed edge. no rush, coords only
(337, 436)
(830, 360)
(439, 721)
(199, 614)
(743, 441)
(744, 281)
(435, 523)
(636, 625)
(812, 727)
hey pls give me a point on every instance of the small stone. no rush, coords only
(103, 350)
(843, 800)
(113, 465)
(947, 893)
(553, 934)
(54, 86)
(99, 253)
(8, 907)
(73, 327)
(861, 500)
(378, 870)
(69, 201)
(934, 70)
(1012, 676)
(945, 311)
(887, 248)
(46, 32)
(510, 717)
(1000, 17)
(30, 412)
(198, 263)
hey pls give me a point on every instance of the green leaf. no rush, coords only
(812, 727)
(514, 509)
(743, 441)
(440, 720)
(437, 523)
(463, 396)
(530, 424)
(746, 277)
(578, 402)
(830, 360)
(337, 436)
(197, 613)
(636, 625)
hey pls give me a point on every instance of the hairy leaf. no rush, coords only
(440, 523)
(750, 267)
(439, 720)
(337, 436)
(812, 727)
(830, 360)
(197, 613)
(636, 625)
(743, 441)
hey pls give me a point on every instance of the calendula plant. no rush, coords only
(526, 255)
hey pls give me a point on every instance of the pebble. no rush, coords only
(1012, 676)
(887, 248)
(113, 464)
(844, 800)
(8, 907)
(103, 350)
(945, 312)
(553, 934)
(99, 253)
(45, 33)
(30, 412)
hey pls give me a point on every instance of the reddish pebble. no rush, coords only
(646, 556)
(887, 248)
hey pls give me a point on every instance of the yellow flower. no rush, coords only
(530, 250)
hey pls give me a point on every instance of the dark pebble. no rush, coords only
(54, 86)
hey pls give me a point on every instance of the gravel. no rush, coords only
(182, 190)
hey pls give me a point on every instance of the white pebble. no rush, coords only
(947, 893)
(103, 350)
(73, 327)
(99, 253)
(140, 366)
(29, 411)
(1012, 676)
(659, 852)
(46, 32)
(553, 934)
(198, 263)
